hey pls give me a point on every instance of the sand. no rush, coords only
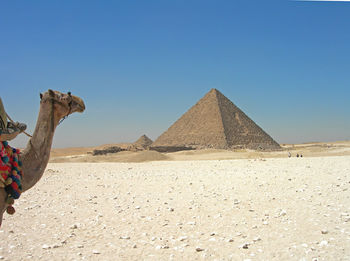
(238, 209)
(307, 150)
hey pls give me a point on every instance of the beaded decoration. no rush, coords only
(10, 174)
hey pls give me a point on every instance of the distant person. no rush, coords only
(289, 155)
(9, 130)
(298, 155)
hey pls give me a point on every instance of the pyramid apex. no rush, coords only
(214, 91)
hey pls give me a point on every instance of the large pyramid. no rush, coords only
(215, 122)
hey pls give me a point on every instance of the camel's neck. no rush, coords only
(37, 153)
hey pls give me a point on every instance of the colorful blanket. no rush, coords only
(10, 173)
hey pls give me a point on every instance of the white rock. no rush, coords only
(45, 246)
(182, 238)
(324, 231)
(96, 252)
(283, 212)
(323, 243)
(258, 238)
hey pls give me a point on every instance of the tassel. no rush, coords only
(10, 210)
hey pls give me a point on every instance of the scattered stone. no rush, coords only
(230, 240)
(96, 252)
(162, 247)
(244, 246)
(324, 231)
(124, 237)
(75, 226)
(258, 238)
(199, 249)
(283, 212)
(323, 243)
(182, 238)
(45, 246)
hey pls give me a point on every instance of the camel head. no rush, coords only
(64, 103)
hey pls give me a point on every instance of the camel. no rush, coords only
(54, 106)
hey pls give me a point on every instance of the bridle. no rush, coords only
(69, 106)
(55, 101)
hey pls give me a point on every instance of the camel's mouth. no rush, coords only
(77, 104)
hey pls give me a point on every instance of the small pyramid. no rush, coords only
(215, 122)
(143, 141)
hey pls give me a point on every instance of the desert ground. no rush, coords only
(192, 205)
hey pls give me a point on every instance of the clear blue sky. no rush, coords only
(139, 65)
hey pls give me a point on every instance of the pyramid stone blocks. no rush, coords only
(215, 122)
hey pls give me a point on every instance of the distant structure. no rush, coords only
(214, 122)
(143, 142)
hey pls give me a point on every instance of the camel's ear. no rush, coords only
(52, 93)
(41, 96)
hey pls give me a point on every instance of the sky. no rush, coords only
(140, 65)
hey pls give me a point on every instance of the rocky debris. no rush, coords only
(95, 206)
(45, 246)
(324, 231)
(112, 149)
(182, 238)
(244, 246)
